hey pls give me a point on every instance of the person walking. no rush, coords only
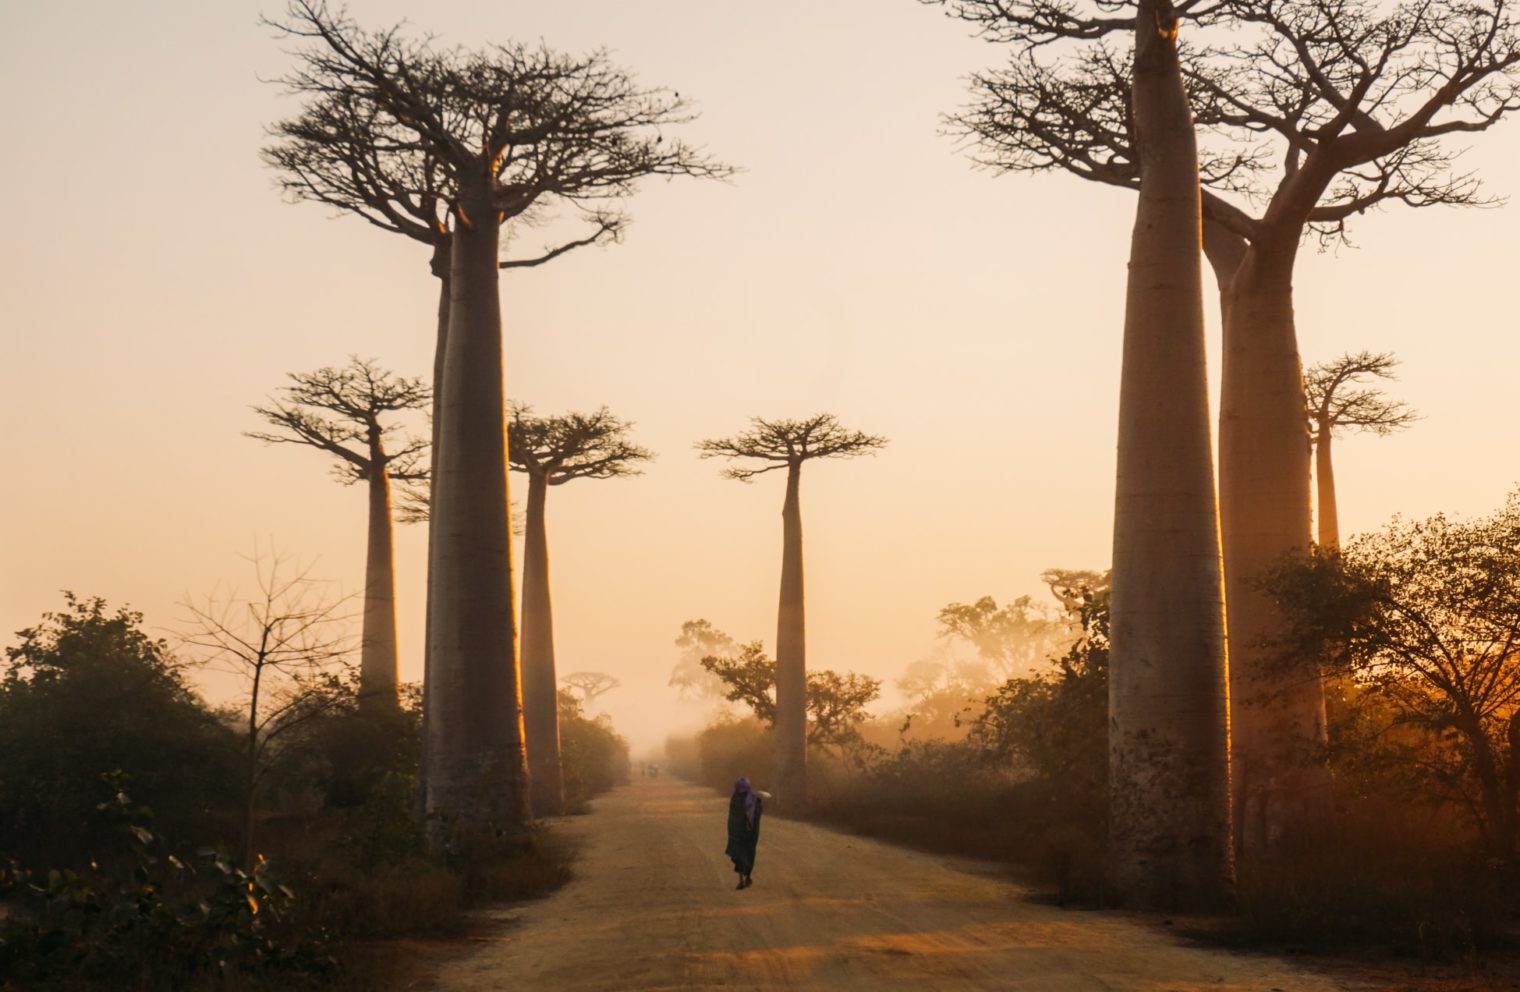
(744, 809)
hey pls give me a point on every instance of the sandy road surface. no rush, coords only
(653, 906)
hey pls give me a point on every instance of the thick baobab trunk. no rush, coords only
(476, 766)
(1277, 707)
(1324, 480)
(439, 265)
(377, 650)
(1168, 710)
(791, 655)
(540, 684)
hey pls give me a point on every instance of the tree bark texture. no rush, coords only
(1277, 707)
(1168, 709)
(791, 655)
(540, 683)
(476, 764)
(439, 265)
(377, 646)
(1324, 480)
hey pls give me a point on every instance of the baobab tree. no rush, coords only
(1168, 709)
(343, 412)
(787, 444)
(347, 150)
(484, 140)
(1338, 401)
(552, 451)
(1355, 102)
(591, 685)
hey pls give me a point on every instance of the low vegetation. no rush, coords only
(1416, 627)
(120, 861)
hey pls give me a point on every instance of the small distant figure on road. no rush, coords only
(744, 809)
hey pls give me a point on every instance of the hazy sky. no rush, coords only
(154, 285)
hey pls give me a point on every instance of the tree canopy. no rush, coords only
(785, 443)
(1425, 617)
(835, 702)
(361, 394)
(393, 129)
(1338, 399)
(1319, 110)
(572, 445)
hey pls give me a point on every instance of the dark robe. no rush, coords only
(742, 836)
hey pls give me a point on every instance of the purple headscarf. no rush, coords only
(742, 788)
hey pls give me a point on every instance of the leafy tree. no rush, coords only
(1425, 617)
(361, 395)
(1338, 401)
(86, 692)
(835, 703)
(787, 444)
(478, 140)
(1056, 722)
(1019, 638)
(552, 451)
(1010, 639)
(699, 638)
(943, 691)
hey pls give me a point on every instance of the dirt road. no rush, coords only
(653, 906)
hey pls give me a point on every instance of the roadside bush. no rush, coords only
(593, 757)
(683, 757)
(146, 918)
(1384, 877)
(343, 857)
(732, 747)
(85, 692)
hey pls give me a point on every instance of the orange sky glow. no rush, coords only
(154, 285)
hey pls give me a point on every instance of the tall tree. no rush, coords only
(1354, 100)
(361, 395)
(346, 150)
(1168, 706)
(502, 135)
(1337, 401)
(552, 451)
(787, 444)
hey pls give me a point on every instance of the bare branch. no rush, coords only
(1349, 97)
(361, 394)
(1333, 405)
(397, 130)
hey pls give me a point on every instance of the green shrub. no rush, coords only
(733, 747)
(593, 757)
(149, 919)
(85, 692)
